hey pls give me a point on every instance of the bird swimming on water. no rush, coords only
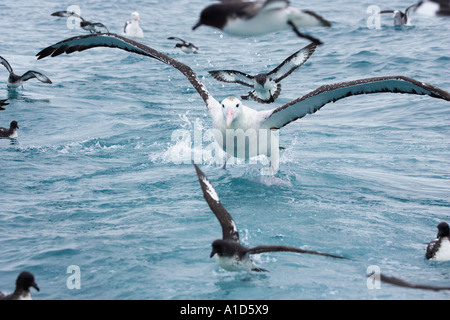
(24, 282)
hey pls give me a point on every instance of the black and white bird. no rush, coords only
(435, 8)
(186, 47)
(11, 132)
(24, 282)
(254, 18)
(439, 249)
(266, 86)
(230, 254)
(3, 103)
(401, 283)
(92, 27)
(132, 28)
(401, 18)
(15, 81)
(232, 114)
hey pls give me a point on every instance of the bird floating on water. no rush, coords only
(24, 282)
(132, 28)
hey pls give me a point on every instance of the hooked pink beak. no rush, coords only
(230, 117)
(138, 18)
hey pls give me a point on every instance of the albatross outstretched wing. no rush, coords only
(276, 248)
(313, 101)
(112, 40)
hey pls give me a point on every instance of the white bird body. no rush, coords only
(132, 28)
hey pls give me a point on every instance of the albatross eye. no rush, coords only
(223, 106)
(237, 105)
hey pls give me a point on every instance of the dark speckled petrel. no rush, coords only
(15, 81)
(230, 254)
(266, 86)
(24, 282)
(439, 249)
(254, 18)
(233, 114)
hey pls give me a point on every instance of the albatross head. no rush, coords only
(231, 108)
(135, 17)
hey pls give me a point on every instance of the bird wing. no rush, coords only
(34, 74)
(313, 101)
(4, 62)
(3, 102)
(101, 25)
(111, 40)
(229, 229)
(293, 62)
(276, 248)
(66, 14)
(387, 11)
(402, 283)
(233, 76)
(176, 38)
(431, 249)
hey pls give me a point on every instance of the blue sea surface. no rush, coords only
(97, 178)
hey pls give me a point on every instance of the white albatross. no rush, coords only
(256, 126)
(132, 29)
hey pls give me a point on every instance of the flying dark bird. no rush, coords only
(266, 86)
(84, 24)
(186, 47)
(232, 114)
(24, 282)
(230, 254)
(15, 81)
(254, 18)
(11, 132)
(439, 249)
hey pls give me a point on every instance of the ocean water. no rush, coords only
(97, 178)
